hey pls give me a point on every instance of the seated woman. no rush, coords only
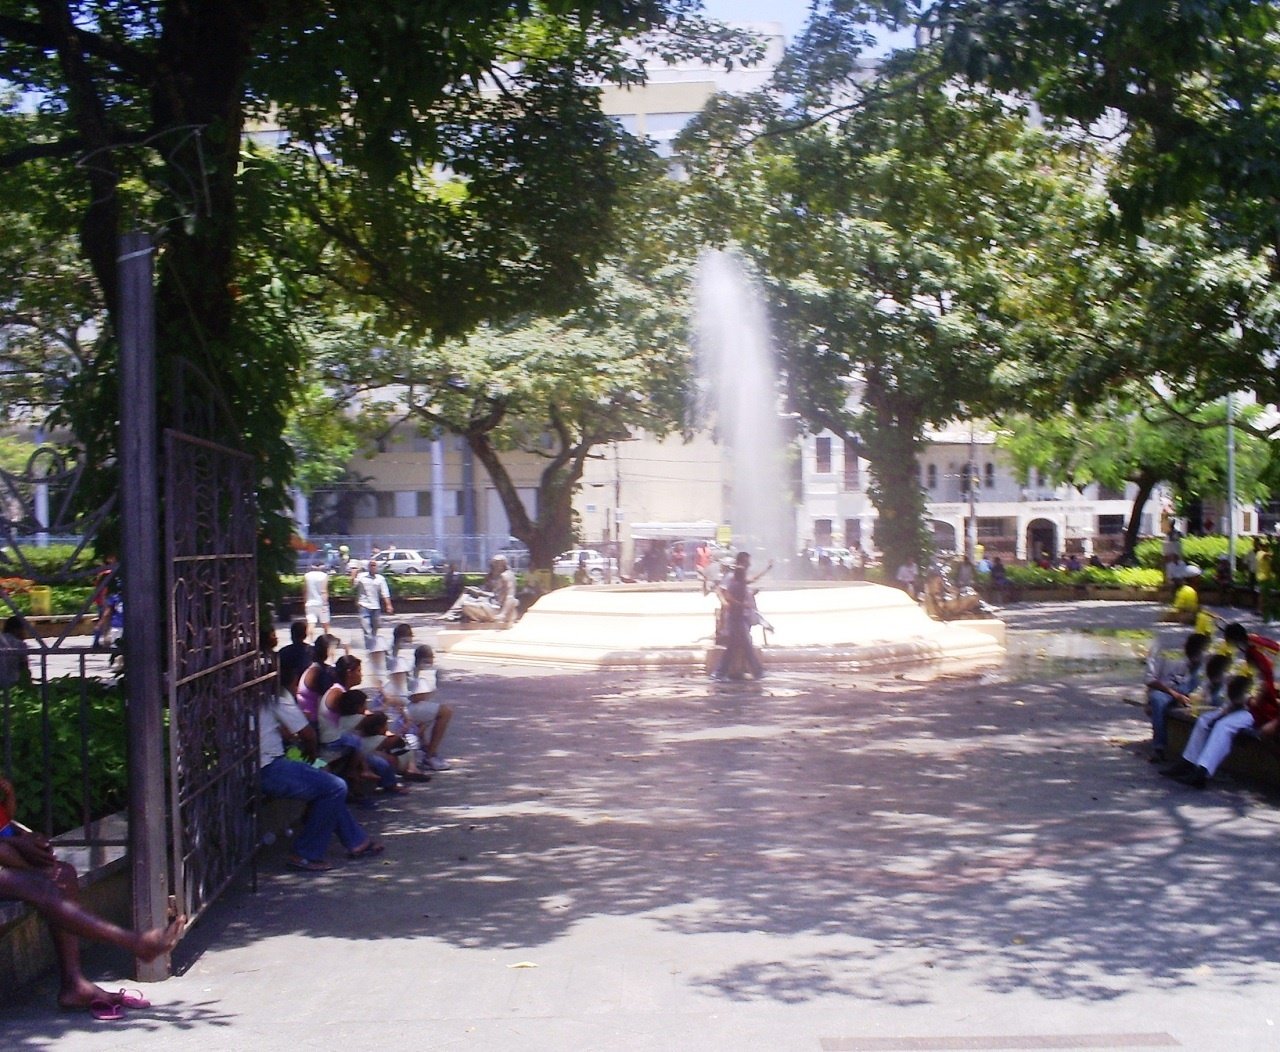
(318, 677)
(30, 873)
(336, 718)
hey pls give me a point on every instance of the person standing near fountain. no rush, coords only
(739, 614)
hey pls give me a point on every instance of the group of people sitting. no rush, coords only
(1235, 686)
(335, 734)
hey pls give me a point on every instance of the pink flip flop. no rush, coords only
(129, 999)
(106, 1011)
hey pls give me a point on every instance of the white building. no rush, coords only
(1015, 517)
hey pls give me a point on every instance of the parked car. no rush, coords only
(598, 565)
(411, 560)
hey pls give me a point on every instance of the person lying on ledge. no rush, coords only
(30, 873)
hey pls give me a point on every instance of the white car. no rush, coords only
(598, 565)
(410, 560)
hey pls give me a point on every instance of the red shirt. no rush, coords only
(1264, 705)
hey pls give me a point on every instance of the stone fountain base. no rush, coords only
(853, 625)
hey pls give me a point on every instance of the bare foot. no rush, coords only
(153, 943)
(82, 995)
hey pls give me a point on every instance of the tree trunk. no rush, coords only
(1145, 483)
(892, 443)
(550, 532)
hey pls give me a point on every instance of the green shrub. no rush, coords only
(1199, 551)
(104, 729)
(1105, 576)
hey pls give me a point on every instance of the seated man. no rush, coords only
(495, 601)
(1171, 679)
(297, 780)
(30, 873)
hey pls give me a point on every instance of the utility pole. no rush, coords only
(971, 527)
(1231, 486)
(617, 515)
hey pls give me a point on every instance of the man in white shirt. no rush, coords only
(315, 597)
(373, 598)
(295, 780)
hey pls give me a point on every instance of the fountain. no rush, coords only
(852, 625)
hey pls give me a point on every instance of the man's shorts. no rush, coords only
(318, 614)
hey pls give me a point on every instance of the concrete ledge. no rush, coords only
(26, 949)
(1251, 759)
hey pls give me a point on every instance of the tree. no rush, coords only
(887, 236)
(1182, 96)
(1140, 440)
(556, 389)
(152, 100)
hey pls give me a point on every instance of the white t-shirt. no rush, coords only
(317, 586)
(371, 589)
(282, 712)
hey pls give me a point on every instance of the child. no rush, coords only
(428, 717)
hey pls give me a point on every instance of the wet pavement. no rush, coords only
(651, 861)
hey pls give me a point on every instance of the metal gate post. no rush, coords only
(144, 612)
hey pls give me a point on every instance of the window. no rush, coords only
(384, 504)
(853, 533)
(822, 447)
(1110, 525)
(460, 502)
(931, 476)
(990, 529)
(424, 503)
(989, 475)
(822, 533)
(851, 480)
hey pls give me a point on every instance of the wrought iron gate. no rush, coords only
(217, 675)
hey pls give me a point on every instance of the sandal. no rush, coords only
(415, 776)
(130, 999)
(306, 865)
(370, 849)
(106, 1011)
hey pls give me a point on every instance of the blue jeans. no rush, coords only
(383, 768)
(1160, 703)
(369, 621)
(327, 815)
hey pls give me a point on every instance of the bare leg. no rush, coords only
(438, 728)
(54, 894)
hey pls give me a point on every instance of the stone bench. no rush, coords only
(1252, 759)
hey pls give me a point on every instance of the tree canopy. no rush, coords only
(151, 101)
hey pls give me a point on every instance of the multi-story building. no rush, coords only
(1018, 518)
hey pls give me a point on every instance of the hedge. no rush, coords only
(104, 729)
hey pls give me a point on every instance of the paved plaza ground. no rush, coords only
(822, 861)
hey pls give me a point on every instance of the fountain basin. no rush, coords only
(854, 625)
